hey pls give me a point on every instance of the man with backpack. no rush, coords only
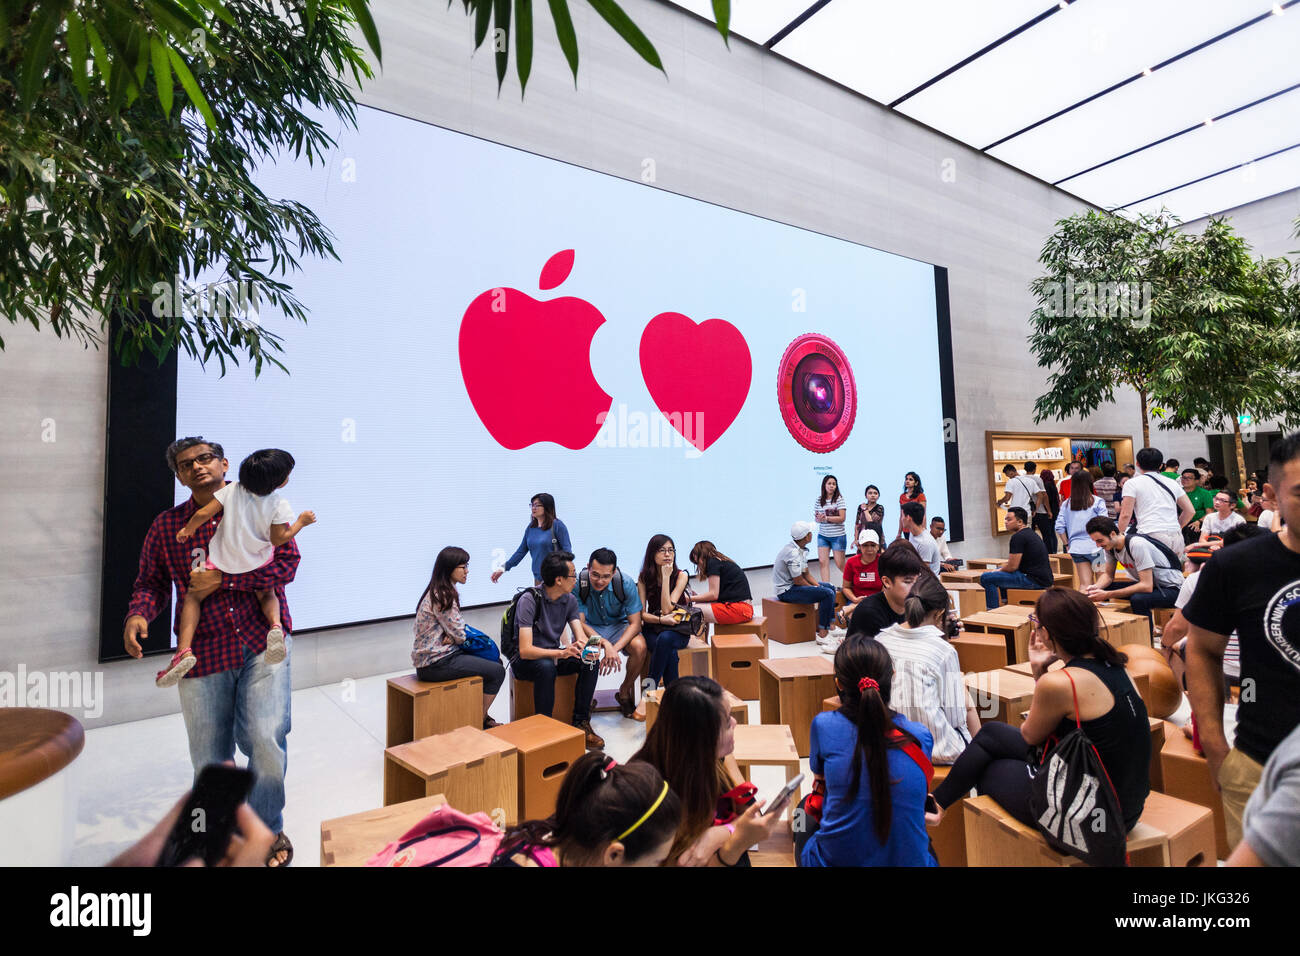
(1157, 571)
(1160, 506)
(532, 636)
(611, 609)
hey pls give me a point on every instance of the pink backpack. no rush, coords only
(446, 837)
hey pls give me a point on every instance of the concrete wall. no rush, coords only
(741, 128)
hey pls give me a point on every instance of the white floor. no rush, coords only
(129, 775)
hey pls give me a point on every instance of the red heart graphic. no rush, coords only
(698, 375)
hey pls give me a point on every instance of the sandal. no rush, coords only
(626, 702)
(181, 663)
(281, 845)
(489, 723)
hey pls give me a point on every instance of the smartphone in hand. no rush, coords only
(208, 818)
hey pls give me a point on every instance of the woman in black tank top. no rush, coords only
(1067, 627)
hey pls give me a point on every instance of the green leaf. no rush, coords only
(192, 88)
(523, 41)
(77, 54)
(162, 73)
(311, 11)
(40, 43)
(501, 40)
(564, 33)
(101, 54)
(629, 31)
(482, 20)
(722, 14)
(361, 10)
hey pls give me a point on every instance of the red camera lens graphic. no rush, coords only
(816, 392)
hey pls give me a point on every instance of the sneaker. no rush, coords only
(180, 665)
(594, 740)
(275, 651)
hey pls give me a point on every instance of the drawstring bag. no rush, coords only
(1073, 801)
(446, 837)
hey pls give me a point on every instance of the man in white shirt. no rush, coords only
(1159, 505)
(914, 524)
(793, 581)
(946, 561)
(1158, 576)
(1022, 490)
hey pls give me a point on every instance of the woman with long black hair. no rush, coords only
(440, 632)
(660, 585)
(912, 491)
(871, 771)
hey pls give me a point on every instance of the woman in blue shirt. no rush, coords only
(544, 534)
(871, 772)
(1071, 525)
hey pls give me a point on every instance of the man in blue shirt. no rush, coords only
(611, 609)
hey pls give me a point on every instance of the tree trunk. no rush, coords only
(1146, 424)
(1241, 452)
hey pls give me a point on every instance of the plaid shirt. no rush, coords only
(231, 618)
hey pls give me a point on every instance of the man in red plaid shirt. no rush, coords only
(231, 696)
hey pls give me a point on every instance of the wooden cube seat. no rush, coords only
(1026, 596)
(735, 663)
(523, 705)
(791, 691)
(1186, 775)
(980, 652)
(693, 659)
(790, 623)
(1013, 631)
(1172, 833)
(474, 770)
(418, 709)
(351, 840)
(547, 748)
(739, 709)
(967, 598)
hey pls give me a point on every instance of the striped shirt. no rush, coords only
(928, 686)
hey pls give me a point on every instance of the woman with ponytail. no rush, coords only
(1066, 627)
(605, 815)
(928, 684)
(871, 772)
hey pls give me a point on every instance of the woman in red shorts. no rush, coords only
(727, 601)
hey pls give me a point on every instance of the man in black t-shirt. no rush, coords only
(900, 566)
(1252, 588)
(1027, 567)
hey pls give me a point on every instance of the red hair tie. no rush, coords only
(867, 683)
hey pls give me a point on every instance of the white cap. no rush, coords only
(800, 529)
(868, 535)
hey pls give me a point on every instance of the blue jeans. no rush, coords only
(246, 706)
(835, 544)
(662, 646)
(991, 581)
(541, 673)
(823, 595)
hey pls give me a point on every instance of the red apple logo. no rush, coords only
(527, 364)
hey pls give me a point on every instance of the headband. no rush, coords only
(645, 816)
(867, 683)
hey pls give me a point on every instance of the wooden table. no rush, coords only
(351, 840)
(767, 745)
(966, 576)
(1124, 629)
(1001, 695)
(980, 652)
(984, 564)
(791, 691)
(970, 598)
(1013, 630)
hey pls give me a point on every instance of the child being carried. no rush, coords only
(256, 521)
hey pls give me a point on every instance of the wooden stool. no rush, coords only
(790, 623)
(949, 837)
(1118, 605)
(1186, 775)
(970, 598)
(351, 840)
(1027, 596)
(1124, 629)
(1020, 612)
(767, 745)
(984, 564)
(418, 709)
(791, 691)
(739, 709)
(1157, 745)
(980, 652)
(756, 625)
(471, 768)
(1171, 833)
(547, 748)
(1014, 632)
(964, 576)
(693, 659)
(1062, 580)
(1001, 695)
(1161, 616)
(735, 663)
(521, 697)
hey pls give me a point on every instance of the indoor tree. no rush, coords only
(1233, 324)
(1096, 322)
(129, 132)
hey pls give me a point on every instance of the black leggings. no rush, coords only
(994, 763)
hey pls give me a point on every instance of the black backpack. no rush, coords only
(1073, 801)
(509, 627)
(584, 585)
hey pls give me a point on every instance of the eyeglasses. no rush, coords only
(1033, 619)
(667, 551)
(189, 463)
